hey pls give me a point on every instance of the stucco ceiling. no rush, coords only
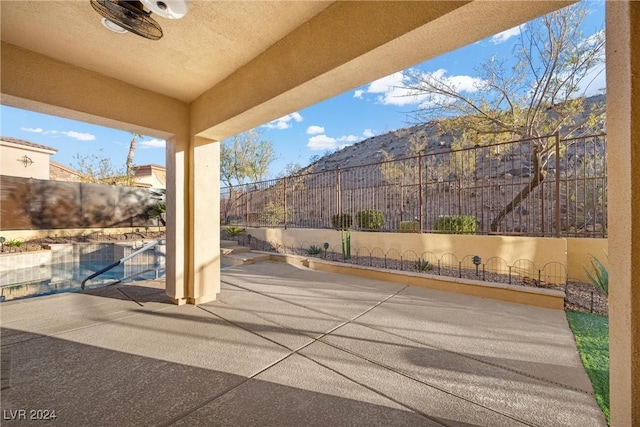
(232, 64)
(207, 45)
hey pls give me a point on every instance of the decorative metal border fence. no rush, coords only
(523, 272)
(513, 188)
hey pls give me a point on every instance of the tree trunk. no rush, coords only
(538, 177)
(132, 151)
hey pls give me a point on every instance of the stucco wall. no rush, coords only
(573, 253)
(9, 164)
(579, 253)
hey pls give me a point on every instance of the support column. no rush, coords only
(193, 220)
(204, 225)
(623, 135)
(177, 218)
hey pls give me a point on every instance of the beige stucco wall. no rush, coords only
(579, 253)
(541, 251)
(9, 164)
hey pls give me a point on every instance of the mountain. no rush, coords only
(396, 143)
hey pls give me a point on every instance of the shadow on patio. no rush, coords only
(284, 345)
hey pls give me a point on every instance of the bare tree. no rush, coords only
(243, 158)
(538, 95)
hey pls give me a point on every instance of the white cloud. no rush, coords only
(506, 35)
(394, 89)
(358, 93)
(312, 130)
(153, 143)
(368, 133)
(324, 142)
(285, 121)
(349, 138)
(81, 136)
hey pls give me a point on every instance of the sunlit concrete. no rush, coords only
(56, 58)
(284, 345)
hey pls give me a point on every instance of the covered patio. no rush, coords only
(230, 66)
(285, 345)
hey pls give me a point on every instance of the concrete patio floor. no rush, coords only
(287, 346)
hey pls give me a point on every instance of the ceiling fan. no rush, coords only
(122, 16)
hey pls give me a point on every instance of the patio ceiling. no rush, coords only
(263, 59)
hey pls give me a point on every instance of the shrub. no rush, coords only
(14, 243)
(456, 224)
(423, 265)
(600, 278)
(274, 213)
(234, 230)
(156, 211)
(409, 226)
(341, 221)
(314, 250)
(370, 220)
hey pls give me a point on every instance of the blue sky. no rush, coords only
(353, 116)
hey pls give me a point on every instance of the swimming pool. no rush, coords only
(67, 277)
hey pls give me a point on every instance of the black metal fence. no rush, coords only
(536, 187)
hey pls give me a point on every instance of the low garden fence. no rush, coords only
(553, 275)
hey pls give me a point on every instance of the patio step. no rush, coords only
(228, 243)
(234, 250)
(244, 258)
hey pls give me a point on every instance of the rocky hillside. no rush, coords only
(396, 143)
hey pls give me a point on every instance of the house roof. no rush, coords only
(148, 169)
(26, 143)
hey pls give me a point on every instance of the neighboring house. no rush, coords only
(153, 175)
(29, 160)
(60, 172)
(24, 159)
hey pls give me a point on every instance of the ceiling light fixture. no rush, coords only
(110, 25)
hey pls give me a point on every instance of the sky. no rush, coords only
(372, 109)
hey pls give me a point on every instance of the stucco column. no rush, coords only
(177, 218)
(193, 220)
(623, 130)
(204, 221)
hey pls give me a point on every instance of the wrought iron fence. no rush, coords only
(544, 186)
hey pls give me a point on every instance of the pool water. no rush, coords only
(67, 277)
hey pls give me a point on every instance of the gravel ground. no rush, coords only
(43, 243)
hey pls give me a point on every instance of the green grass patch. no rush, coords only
(591, 332)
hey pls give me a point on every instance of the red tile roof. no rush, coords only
(26, 143)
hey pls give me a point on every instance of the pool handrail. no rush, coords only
(120, 261)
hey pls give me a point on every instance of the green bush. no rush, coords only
(234, 230)
(341, 221)
(314, 250)
(14, 243)
(423, 265)
(600, 276)
(456, 224)
(273, 214)
(409, 226)
(370, 220)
